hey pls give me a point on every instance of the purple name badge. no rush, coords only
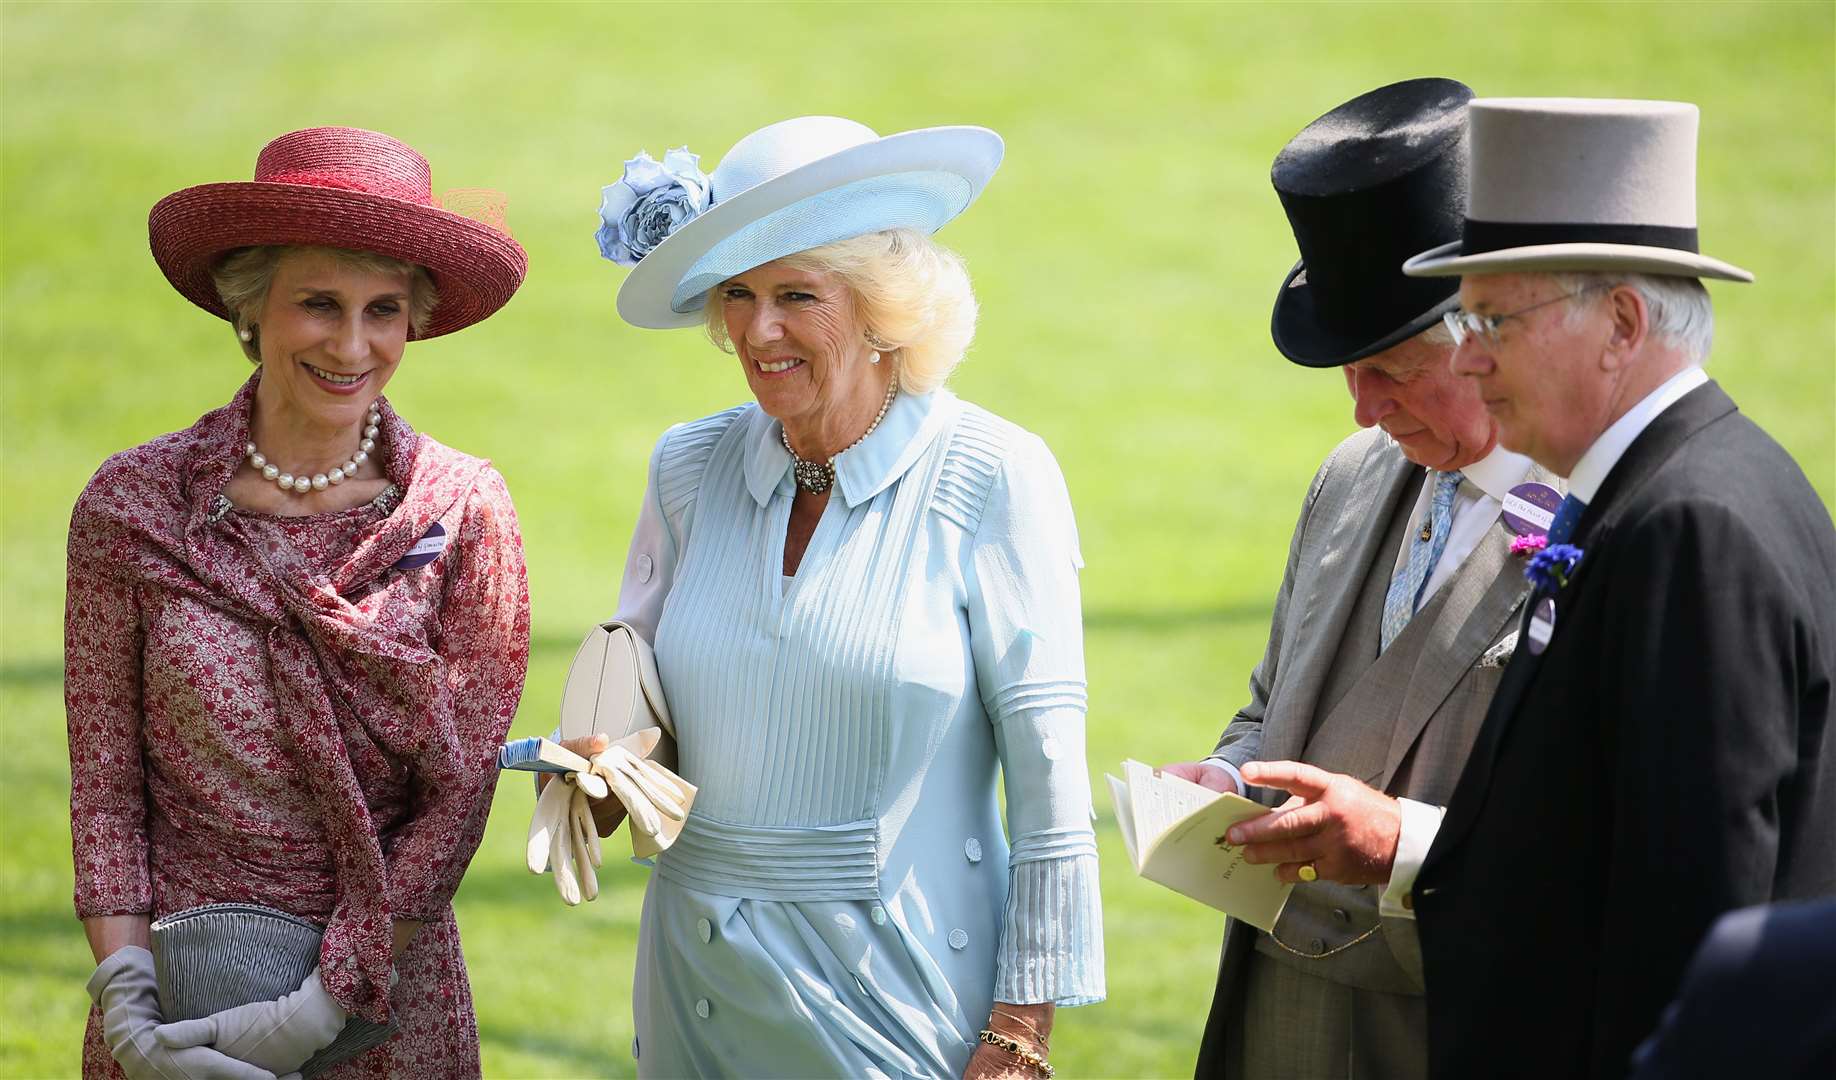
(1530, 508)
(1542, 626)
(425, 550)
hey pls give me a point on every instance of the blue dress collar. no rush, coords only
(911, 424)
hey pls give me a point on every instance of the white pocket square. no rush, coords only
(1500, 654)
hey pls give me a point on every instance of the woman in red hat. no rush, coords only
(296, 633)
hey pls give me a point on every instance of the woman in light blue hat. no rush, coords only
(863, 597)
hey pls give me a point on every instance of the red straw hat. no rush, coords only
(343, 188)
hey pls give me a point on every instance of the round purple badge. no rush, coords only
(1529, 509)
(425, 550)
(1542, 626)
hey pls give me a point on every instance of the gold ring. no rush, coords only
(1308, 873)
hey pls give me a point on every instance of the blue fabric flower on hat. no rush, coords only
(1551, 567)
(652, 200)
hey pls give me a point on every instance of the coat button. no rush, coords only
(973, 849)
(705, 929)
(878, 915)
(701, 1008)
(1317, 946)
(1341, 914)
(959, 939)
(646, 566)
(1408, 901)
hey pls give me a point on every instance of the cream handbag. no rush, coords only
(613, 689)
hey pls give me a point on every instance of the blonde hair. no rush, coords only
(910, 293)
(243, 276)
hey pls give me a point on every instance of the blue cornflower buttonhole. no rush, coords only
(425, 550)
(1529, 509)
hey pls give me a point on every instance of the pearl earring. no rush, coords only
(873, 358)
(246, 334)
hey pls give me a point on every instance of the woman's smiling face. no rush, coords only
(800, 341)
(331, 335)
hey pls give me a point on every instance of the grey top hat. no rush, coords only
(1579, 184)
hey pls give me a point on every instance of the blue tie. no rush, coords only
(1424, 551)
(1567, 516)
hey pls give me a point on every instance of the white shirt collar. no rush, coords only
(1591, 471)
(1498, 472)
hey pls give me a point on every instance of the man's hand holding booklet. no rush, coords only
(1174, 830)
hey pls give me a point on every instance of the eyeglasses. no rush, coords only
(1465, 324)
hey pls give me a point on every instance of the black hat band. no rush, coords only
(1480, 237)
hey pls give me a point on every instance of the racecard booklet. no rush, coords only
(1174, 831)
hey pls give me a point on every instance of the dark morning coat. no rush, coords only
(1666, 759)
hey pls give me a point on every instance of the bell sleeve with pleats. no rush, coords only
(1026, 638)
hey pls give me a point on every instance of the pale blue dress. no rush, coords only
(843, 900)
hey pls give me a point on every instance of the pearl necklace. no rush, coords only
(817, 478)
(302, 483)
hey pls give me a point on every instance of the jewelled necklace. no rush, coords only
(817, 477)
(302, 483)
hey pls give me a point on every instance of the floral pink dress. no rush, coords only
(297, 712)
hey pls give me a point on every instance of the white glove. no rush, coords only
(277, 1035)
(552, 843)
(124, 987)
(563, 837)
(648, 790)
(584, 835)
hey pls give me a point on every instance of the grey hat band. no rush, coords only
(1479, 237)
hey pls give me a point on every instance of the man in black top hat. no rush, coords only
(1395, 615)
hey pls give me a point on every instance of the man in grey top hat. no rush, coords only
(1394, 615)
(1660, 750)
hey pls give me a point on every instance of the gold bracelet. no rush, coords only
(1026, 1057)
(1044, 1043)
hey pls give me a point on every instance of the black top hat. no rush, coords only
(1366, 186)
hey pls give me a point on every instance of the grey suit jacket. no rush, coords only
(1428, 699)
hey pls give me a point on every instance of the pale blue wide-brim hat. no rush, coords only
(800, 184)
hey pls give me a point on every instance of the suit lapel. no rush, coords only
(1478, 604)
(1648, 452)
(1348, 555)
(1481, 597)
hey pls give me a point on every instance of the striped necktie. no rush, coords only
(1424, 551)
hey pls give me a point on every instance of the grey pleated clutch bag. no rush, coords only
(219, 956)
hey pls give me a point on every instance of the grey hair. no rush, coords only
(1679, 307)
(243, 277)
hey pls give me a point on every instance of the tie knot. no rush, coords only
(1445, 484)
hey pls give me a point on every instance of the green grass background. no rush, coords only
(1126, 257)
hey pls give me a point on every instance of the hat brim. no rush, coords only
(1446, 261)
(475, 268)
(1302, 336)
(648, 296)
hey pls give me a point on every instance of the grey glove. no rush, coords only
(277, 1035)
(124, 988)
